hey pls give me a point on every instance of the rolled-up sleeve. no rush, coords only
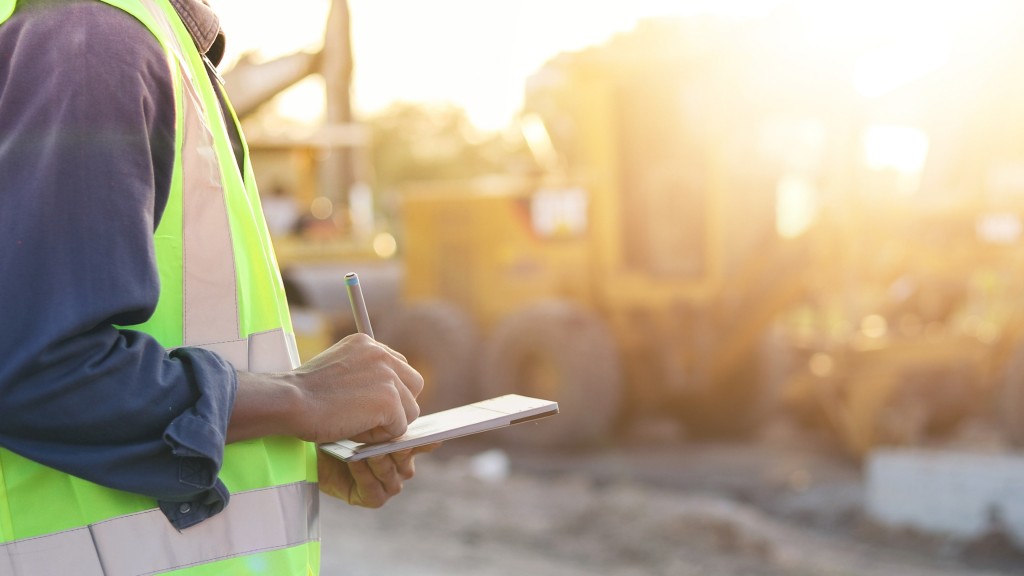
(86, 156)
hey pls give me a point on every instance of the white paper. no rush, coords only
(452, 423)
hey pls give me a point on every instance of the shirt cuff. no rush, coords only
(202, 506)
(197, 438)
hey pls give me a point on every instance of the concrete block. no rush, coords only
(964, 495)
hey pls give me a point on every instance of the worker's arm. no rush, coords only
(86, 154)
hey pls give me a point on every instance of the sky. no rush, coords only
(474, 53)
(478, 54)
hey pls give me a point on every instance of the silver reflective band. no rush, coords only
(146, 543)
(209, 290)
(271, 351)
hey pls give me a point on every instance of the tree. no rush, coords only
(414, 142)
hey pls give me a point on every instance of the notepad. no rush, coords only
(464, 420)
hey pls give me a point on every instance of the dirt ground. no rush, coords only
(782, 505)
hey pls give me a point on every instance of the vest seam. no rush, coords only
(180, 124)
(96, 547)
(47, 535)
(201, 344)
(270, 331)
(231, 244)
(246, 339)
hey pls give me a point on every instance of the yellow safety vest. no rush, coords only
(220, 290)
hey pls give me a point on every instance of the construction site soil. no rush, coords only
(784, 504)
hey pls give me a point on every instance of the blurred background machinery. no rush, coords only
(720, 227)
(715, 226)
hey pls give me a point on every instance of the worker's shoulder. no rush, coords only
(81, 41)
(78, 25)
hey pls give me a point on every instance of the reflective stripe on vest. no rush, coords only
(210, 307)
(124, 546)
(210, 315)
(220, 290)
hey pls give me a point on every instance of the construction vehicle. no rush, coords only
(930, 327)
(638, 273)
(572, 300)
(645, 270)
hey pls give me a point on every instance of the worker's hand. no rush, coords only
(358, 389)
(371, 482)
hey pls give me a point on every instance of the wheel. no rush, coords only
(907, 395)
(738, 403)
(440, 341)
(557, 351)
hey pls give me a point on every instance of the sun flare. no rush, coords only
(478, 55)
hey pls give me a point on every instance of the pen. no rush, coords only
(355, 296)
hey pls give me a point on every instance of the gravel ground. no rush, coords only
(678, 510)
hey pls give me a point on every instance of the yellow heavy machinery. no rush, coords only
(639, 271)
(662, 260)
(919, 323)
(712, 223)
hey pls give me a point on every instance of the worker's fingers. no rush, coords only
(366, 490)
(335, 478)
(410, 378)
(381, 433)
(405, 461)
(398, 355)
(409, 404)
(396, 418)
(385, 470)
(426, 448)
(405, 372)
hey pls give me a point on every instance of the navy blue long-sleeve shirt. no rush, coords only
(86, 153)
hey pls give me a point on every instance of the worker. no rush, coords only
(153, 415)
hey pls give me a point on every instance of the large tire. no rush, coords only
(557, 351)
(440, 341)
(907, 395)
(744, 399)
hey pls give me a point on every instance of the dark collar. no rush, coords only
(204, 26)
